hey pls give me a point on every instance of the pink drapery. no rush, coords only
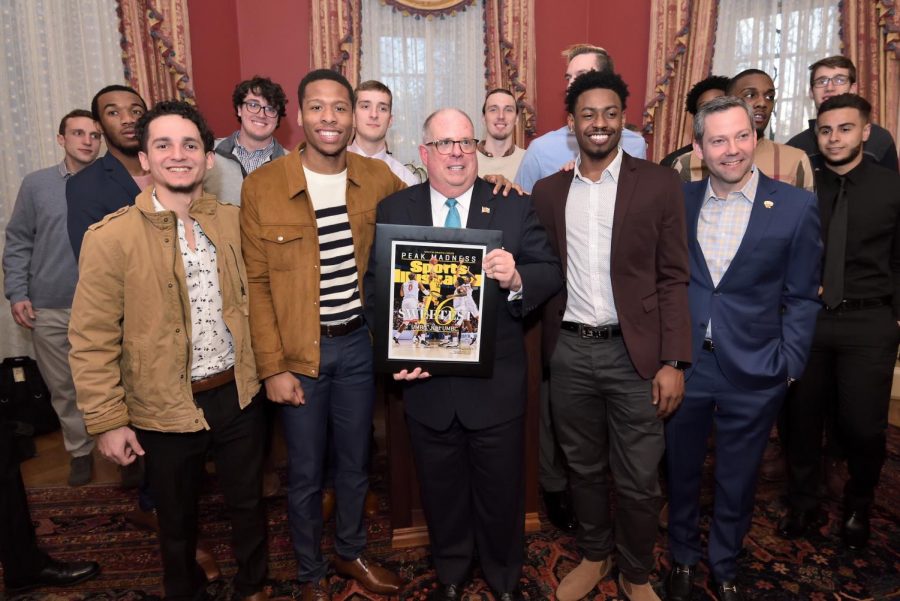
(156, 48)
(508, 31)
(682, 37)
(870, 37)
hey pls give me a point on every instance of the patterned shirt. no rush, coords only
(212, 348)
(251, 160)
(589, 221)
(721, 226)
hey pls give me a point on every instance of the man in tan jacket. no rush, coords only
(161, 353)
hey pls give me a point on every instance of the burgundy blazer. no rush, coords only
(648, 266)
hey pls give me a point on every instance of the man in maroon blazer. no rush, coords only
(617, 338)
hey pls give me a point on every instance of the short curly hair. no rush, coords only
(261, 86)
(713, 82)
(592, 80)
(174, 107)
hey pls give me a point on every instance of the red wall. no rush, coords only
(233, 40)
(622, 27)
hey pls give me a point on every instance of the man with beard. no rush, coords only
(498, 153)
(114, 180)
(851, 366)
(617, 338)
(830, 77)
(755, 255)
(161, 353)
(780, 162)
(307, 224)
(259, 106)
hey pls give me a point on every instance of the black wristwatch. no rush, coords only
(682, 365)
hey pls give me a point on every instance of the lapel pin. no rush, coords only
(768, 204)
(486, 210)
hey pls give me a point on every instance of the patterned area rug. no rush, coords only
(88, 523)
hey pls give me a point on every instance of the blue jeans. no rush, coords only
(342, 398)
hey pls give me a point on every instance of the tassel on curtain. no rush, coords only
(335, 43)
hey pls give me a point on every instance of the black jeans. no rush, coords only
(175, 465)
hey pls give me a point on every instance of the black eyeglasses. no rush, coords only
(255, 107)
(467, 145)
(838, 80)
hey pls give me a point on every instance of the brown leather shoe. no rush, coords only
(271, 484)
(371, 506)
(258, 596)
(143, 520)
(207, 561)
(328, 501)
(317, 590)
(372, 576)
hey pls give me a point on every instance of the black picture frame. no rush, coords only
(452, 295)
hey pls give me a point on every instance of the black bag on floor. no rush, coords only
(24, 397)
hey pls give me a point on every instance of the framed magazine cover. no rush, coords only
(434, 308)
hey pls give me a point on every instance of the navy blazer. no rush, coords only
(764, 309)
(101, 188)
(481, 402)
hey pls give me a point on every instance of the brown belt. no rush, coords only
(342, 329)
(213, 381)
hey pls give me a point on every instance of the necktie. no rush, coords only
(452, 219)
(835, 254)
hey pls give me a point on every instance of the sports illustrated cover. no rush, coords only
(436, 296)
(434, 308)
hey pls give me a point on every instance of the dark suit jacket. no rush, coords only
(481, 402)
(99, 189)
(764, 309)
(648, 266)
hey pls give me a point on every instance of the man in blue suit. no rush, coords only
(755, 253)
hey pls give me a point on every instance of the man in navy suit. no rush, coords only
(113, 181)
(755, 252)
(467, 434)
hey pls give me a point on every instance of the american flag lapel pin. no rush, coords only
(486, 210)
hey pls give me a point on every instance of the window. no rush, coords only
(427, 63)
(782, 38)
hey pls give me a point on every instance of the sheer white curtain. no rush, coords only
(427, 63)
(54, 55)
(782, 38)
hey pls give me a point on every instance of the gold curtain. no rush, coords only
(682, 36)
(510, 61)
(429, 8)
(870, 37)
(336, 36)
(156, 48)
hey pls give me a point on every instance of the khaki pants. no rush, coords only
(51, 349)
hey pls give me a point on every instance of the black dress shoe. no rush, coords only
(797, 522)
(855, 530)
(728, 591)
(680, 582)
(447, 592)
(560, 511)
(56, 573)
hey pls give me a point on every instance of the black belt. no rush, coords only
(854, 304)
(213, 381)
(341, 329)
(708, 345)
(595, 333)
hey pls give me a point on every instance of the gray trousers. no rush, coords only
(606, 423)
(51, 349)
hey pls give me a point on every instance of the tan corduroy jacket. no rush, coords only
(281, 250)
(131, 329)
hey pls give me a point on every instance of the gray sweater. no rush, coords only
(38, 264)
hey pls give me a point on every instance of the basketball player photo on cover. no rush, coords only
(432, 302)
